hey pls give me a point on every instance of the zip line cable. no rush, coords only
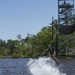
(32, 62)
(35, 60)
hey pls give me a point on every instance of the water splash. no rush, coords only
(44, 66)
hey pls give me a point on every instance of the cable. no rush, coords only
(32, 62)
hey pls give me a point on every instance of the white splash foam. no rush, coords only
(44, 66)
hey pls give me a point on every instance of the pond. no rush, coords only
(18, 66)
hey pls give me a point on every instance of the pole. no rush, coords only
(52, 31)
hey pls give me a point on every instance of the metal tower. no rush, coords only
(65, 18)
(65, 12)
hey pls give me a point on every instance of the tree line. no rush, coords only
(33, 45)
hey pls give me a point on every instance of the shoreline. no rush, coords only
(58, 57)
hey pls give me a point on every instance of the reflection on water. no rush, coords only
(14, 66)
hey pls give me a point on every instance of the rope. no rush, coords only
(35, 60)
(32, 62)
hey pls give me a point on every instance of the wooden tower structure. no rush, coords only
(66, 18)
(65, 12)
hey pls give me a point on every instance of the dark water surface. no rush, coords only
(68, 66)
(14, 66)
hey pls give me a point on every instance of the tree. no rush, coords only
(19, 37)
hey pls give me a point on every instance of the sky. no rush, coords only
(25, 16)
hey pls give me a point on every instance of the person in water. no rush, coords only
(51, 53)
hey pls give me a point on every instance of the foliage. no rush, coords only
(35, 45)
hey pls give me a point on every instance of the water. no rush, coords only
(44, 66)
(41, 66)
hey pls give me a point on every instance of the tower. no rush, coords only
(65, 12)
(66, 20)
